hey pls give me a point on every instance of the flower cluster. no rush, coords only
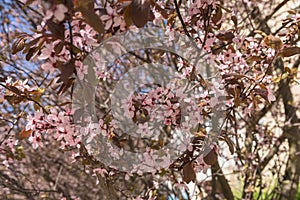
(59, 123)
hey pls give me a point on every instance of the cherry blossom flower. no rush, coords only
(74, 156)
(171, 32)
(186, 72)
(144, 130)
(171, 109)
(38, 115)
(48, 67)
(210, 41)
(115, 153)
(238, 40)
(157, 17)
(82, 71)
(8, 81)
(271, 96)
(36, 140)
(58, 12)
(193, 10)
(101, 171)
(48, 53)
(168, 121)
(228, 56)
(103, 127)
(270, 52)
(88, 36)
(113, 19)
(128, 107)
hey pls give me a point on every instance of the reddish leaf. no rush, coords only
(65, 86)
(65, 103)
(86, 4)
(31, 44)
(56, 29)
(86, 7)
(18, 45)
(140, 12)
(127, 16)
(211, 158)
(30, 53)
(234, 19)
(228, 36)
(67, 70)
(162, 11)
(92, 19)
(24, 134)
(13, 100)
(230, 144)
(188, 172)
(58, 48)
(262, 91)
(255, 58)
(290, 51)
(273, 42)
(14, 90)
(217, 16)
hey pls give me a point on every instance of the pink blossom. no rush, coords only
(193, 10)
(168, 121)
(238, 40)
(48, 67)
(112, 19)
(46, 52)
(144, 130)
(157, 17)
(210, 41)
(271, 96)
(228, 56)
(88, 36)
(8, 80)
(83, 70)
(171, 109)
(101, 171)
(36, 140)
(38, 115)
(58, 12)
(270, 52)
(103, 127)
(74, 156)
(171, 32)
(128, 107)
(115, 153)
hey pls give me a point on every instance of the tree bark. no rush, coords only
(218, 177)
(289, 186)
